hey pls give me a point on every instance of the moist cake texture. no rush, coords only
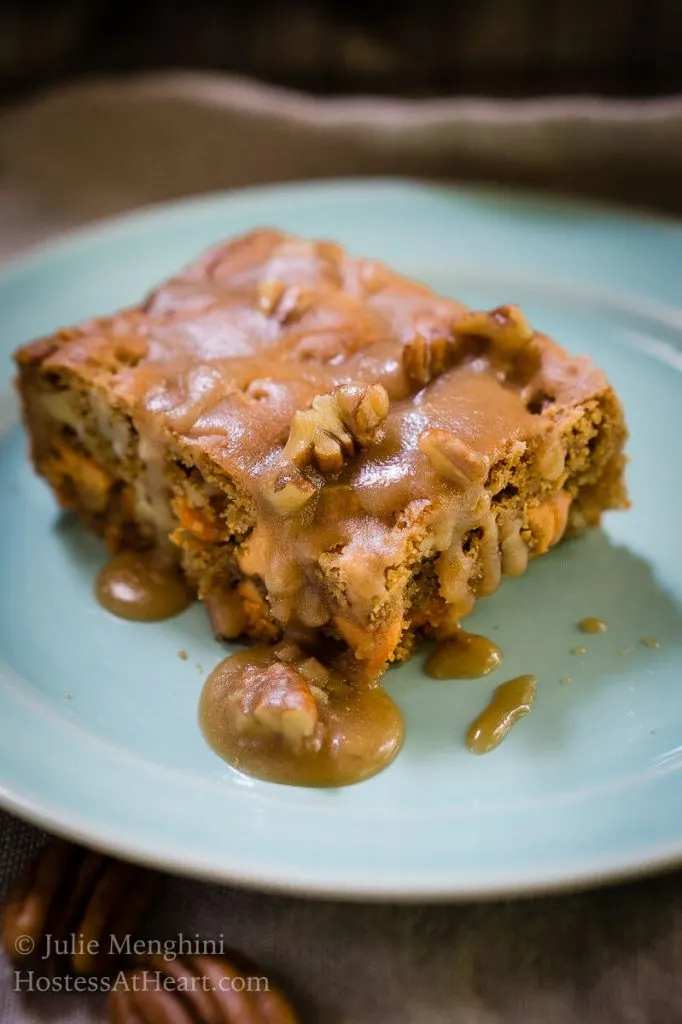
(335, 454)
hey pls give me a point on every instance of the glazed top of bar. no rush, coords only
(225, 353)
(424, 395)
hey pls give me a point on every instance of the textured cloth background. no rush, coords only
(598, 958)
(608, 957)
(85, 151)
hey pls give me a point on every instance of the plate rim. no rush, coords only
(665, 858)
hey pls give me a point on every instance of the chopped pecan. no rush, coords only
(284, 302)
(547, 522)
(296, 301)
(287, 652)
(552, 459)
(268, 294)
(426, 357)
(314, 671)
(363, 408)
(452, 458)
(505, 326)
(281, 704)
(326, 433)
(290, 492)
(318, 434)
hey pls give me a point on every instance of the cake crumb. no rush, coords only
(649, 641)
(182, 655)
(199, 667)
(578, 650)
(565, 680)
(69, 696)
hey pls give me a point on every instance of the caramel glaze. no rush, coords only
(142, 587)
(464, 656)
(510, 702)
(592, 625)
(265, 716)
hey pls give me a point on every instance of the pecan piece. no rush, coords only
(285, 302)
(547, 522)
(290, 492)
(451, 458)
(269, 294)
(426, 357)
(280, 704)
(326, 434)
(505, 326)
(363, 409)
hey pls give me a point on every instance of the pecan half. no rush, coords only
(284, 302)
(547, 522)
(363, 408)
(505, 326)
(281, 704)
(268, 294)
(426, 357)
(451, 458)
(327, 433)
(290, 492)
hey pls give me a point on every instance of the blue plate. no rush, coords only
(98, 727)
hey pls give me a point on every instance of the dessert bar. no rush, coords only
(330, 449)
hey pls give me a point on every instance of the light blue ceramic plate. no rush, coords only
(98, 731)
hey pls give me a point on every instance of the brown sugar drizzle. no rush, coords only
(464, 656)
(510, 702)
(281, 716)
(142, 587)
